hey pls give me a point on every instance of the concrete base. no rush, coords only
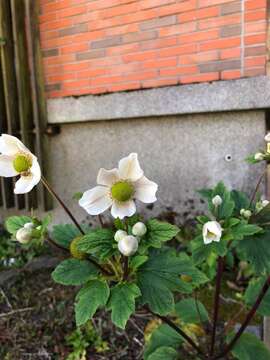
(180, 153)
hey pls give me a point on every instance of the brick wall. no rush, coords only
(100, 46)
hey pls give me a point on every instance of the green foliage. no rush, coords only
(92, 296)
(160, 276)
(249, 347)
(202, 252)
(241, 201)
(262, 217)
(14, 223)
(159, 232)
(122, 302)
(243, 229)
(190, 311)
(64, 234)
(74, 272)
(138, 261)
(252, 293)
(98, 242)
(164, 352)
(163, 336)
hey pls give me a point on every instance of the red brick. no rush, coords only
(230, 74)
(47, 17)
(146, 4)
(198, 36)
(119, 10)
(160, 63)
(230, 53)
(123, 49)
(55, 25)
(159, 82)
(255, 61)
(199, 78)
(198, 58)
(255, 50)
(70, 49)
(255, 71)
(255, 4)
(198, 14)
(178, 29)
(183, 70)
(220, 21)
(159, 43)
(179, 50)
(142, 75)
(231, 8)
(158, 22)
(71, 11)
(255, 27)
(204, 3)
(177, 8)
(255, 15)
(124, 87)
(76, 84)
(220, 44)
(255, 39)
(62, 77)
(135, 37)
(91, 73)
(108, 80)
(140, 56)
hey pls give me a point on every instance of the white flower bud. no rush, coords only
(120, 234)
(259, 156)
(29, 226)
(212, 231)
(24, 235)
(265, 203)
(245, 213)
(217, 200)
(128, 245)
(267, 137)
(139, 229)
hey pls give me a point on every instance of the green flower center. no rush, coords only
(122, 191)
(22, 163)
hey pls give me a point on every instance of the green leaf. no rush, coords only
(262, 217)
(159, 232)
(225, 210)
(74, 272)
(119, 224)
(98, 242)
(164, 352)
(201, 252)
(64, 234)
(164, 335)
(92, 296)
(241, 201)
(249, 347)
(14, 223)
(160, 275)
(244, 229)
(256, 250)
(252, 292)
(251, 159)
(190, 312)
(122, 303)
(138, 261)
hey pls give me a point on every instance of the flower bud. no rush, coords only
(139, 229)
(24, 235)
(259, 156)
(245, 213)
(120, 234)
(128, 245)
(77, 254)
(267, 137)
(265, 203)
(217, 200)
(29, 225)
(212, 231)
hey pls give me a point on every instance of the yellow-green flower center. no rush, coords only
(122, 191)
(22, 163)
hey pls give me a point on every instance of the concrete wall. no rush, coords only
(181, 153)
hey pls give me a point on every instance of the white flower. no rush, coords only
(267, 137)
(118, 188)
(24, 235)
(29, 226)
(217, 200)
(139, 229)
(128, 245)
(245, 213)
(265, 203)
(261, 204)
(259, 156)
(16, 159)
(120, 234)
(212, 231)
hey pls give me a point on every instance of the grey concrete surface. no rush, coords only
(242, 94)
(181, 153)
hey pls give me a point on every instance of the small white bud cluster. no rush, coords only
(261, 204)
(217, 200)
(245, 213)
(128, 244)
(259, 156)
(24, 234)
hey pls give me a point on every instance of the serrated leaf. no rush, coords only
(249, 347)
(159, 232)
(138, 261)
(256, 250)
(225, 210)
(252, 292)
(14, 223)
(201, 251)
(262, 217)
(164, 352)
(63, 234)
(190, 312)
(122, 303)
(164, 335)
(98, 242)
(93, 295)
(160, 275)
(244, 229)
(241, 201)
(74, 272)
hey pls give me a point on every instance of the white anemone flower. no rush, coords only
(212, 231)
(16, 159)
(118, 188)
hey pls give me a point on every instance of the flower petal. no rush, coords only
(10, 145)
(123, 209)
(26, 183)
(95, 201)
(145, 190)
(129, 168)
(6, 166)
(107, 177)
